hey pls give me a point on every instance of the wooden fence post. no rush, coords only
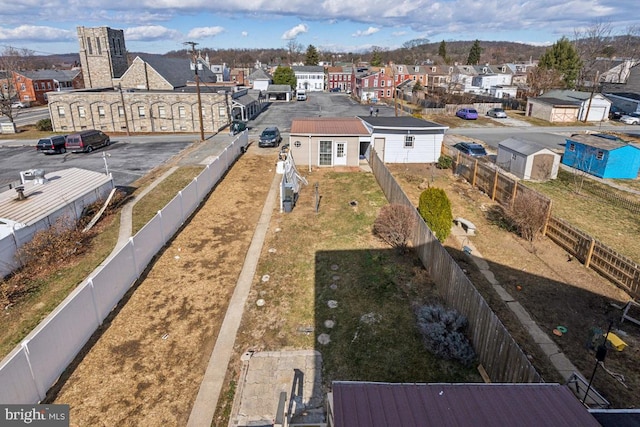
(495, 186)
(587, 259)
(475, 171)
(546, 219)
(513, 195)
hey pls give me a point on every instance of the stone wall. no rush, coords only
(171, 112)
(103, 55)
(141, 76)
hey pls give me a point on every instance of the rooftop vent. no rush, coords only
(35, 175)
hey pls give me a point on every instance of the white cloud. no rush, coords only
(204, 32)
(151, 32)
(33, 32)
(398, 33)
(244, 33)
(369, 31)
(295, 31)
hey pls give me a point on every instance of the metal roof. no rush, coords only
(61, 188)
(403, 122)
(521, 146)
(360, 404)
(598, 142)
(343, 126)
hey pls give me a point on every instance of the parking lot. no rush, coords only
(130, 157)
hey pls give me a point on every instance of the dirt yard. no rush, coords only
(555, 289)
(146, 365)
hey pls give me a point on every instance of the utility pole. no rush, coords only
(593, 90)
(124, 111)
(195, 68)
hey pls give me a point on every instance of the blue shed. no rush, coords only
(602, 157)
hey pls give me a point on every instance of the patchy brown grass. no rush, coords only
(553, 290)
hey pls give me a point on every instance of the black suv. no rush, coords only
(270, 137)
(52, 145)
(471, 149)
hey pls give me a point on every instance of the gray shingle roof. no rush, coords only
(177, 71)
(59, 75)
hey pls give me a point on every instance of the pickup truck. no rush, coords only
(52, 144)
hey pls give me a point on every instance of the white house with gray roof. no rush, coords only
(309, 77)
(404, 139)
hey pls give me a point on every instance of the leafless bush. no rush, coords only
(394, 225)
(45, 252)
(528, 214)
(52, 246)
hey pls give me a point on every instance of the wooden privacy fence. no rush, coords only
(500, 355)
(618, 269)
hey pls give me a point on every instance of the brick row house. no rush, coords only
(340, 79)
(32, 86)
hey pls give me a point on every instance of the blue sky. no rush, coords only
(159, 26)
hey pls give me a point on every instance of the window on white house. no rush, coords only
(408, 141)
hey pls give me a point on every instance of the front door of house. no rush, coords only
(340, 154)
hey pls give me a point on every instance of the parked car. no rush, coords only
(270, 137)
(471, 149)
(18, 104)
(52, 144)
(301, 95)
(631, 119)
(467, 113)
(335, 89)
(497, 113)
(86, 141)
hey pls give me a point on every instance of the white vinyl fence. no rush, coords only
(35, 365)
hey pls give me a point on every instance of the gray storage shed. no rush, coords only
(527, 161)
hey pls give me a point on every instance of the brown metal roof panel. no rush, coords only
(328, 126)
(358, 404)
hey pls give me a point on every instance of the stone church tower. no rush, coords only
(103, 56)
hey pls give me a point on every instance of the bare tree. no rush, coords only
(541, 80)
(528, 213)
(12, 60)
(595, 47)
(294, 50)
(394, 225)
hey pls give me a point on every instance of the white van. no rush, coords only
(301, 95)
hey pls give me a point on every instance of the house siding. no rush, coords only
(303, 154)
(426, 149)
(620, 163)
